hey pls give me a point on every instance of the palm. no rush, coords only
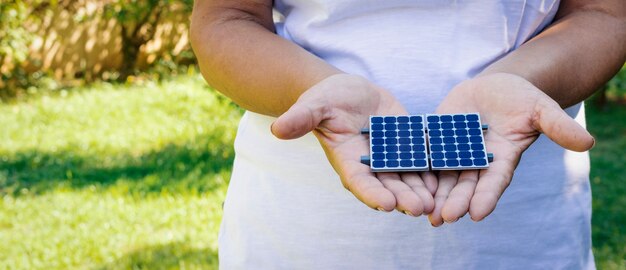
(517, 113)
(337, 121)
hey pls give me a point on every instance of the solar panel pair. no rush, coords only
(455, 142)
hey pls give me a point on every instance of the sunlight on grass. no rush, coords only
(115, 177)
(133, 177)
(93, 229)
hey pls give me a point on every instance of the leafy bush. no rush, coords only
(137, 22)
(14, 42)
(616, 88)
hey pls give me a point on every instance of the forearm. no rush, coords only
(574, 56)
(240, 56)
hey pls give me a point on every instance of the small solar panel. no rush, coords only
(398, 143)
(456, 142)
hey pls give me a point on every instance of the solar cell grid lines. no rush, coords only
(398, 143)
(454, 142)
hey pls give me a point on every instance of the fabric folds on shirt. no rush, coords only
(286, 208)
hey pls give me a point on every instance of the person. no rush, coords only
(310, 82)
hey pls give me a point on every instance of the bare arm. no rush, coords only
(575, 55)
(522, 94)
(239, 55)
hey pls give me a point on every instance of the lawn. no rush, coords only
(115, 177)
(608, 125)
(133, 177)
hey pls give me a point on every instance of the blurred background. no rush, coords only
(115, 154)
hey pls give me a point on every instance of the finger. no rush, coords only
(491, 184)
(415, 182)
(458, 202)
(430, 180)
(369, 190)
(447, 180)
(355, 176)
(406, 200)
(560, 128)
(300, 119)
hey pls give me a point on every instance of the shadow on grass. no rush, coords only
(177, 255)
(186, 168)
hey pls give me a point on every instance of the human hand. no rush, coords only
(517, 112)
(336, 109)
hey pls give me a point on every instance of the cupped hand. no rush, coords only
(517, 112)
(336, 109)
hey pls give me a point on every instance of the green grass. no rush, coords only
(608, 125)
(115, 177)
(133, 177)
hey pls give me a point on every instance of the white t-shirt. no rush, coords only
(286, 207)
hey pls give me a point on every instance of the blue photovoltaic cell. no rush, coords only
(456, 142)
(397, 143)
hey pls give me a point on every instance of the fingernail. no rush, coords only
(594, 143)
(407, 212)
(450, 221)
(381, 209)
(432, 223)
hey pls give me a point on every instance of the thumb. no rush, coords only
(561, 128)
(299, 120)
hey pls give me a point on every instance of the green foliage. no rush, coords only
(134, 11)
(14, 42)
(13, 37)
(616, 88)
(138, 21)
